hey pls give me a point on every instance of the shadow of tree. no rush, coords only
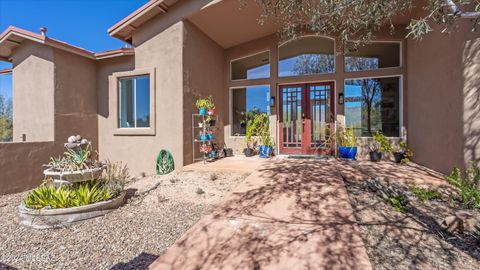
(6, 267)
(142, 261)
(414, 239)
(289, 214)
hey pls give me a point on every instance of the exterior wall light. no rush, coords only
(341, 98)
(272, 101)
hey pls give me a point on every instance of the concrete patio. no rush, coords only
(288, 214)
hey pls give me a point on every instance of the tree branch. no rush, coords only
(455, 10)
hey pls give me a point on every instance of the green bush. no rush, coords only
(397, 202)
(468, 186)
(424, 194)
(65, 196)
(259, 126)
(382, 141)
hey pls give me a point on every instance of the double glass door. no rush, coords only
(307, 119)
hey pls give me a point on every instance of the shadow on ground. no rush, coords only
(290, 214)
(140, 262)
(414, 239)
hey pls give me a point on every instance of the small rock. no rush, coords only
(461, 222)
(78, 138)
(72, 139)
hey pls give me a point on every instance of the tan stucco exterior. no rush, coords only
(54, 95)
(187, 51)
(33, 95)
(443, 107)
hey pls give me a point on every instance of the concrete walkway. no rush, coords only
(288, 214)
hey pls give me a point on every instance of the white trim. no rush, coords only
(313, 74)
(377, 69)
(400, 86)
(247, 56)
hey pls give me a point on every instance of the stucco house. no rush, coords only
(132, 102)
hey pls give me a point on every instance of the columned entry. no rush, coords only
(307, 118)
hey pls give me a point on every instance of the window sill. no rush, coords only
(134, 132)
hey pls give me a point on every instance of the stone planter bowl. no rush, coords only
(74, 176)
(62, 217)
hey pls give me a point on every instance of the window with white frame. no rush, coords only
(134, 102)
(373, 104)
(246, 102)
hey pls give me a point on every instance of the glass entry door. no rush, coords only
(307, 118)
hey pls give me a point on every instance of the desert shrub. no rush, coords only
(200, 191)
(382, 142)
(115, 176)
(424, 194)
(397, 202)
(65, 196)
(467, 186)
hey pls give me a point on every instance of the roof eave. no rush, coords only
(124, 28)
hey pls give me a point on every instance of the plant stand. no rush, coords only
(199, 125)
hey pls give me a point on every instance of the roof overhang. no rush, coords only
(13, 37)
(123, 29)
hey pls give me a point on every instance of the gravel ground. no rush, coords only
(411, 240)
(131, 237)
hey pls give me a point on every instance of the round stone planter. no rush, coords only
(58, 218)
(74, 176)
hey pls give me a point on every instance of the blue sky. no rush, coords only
(82, 23)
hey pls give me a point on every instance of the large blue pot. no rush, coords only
(347, 152)
(203, 137)
(265, 151)
(202, 111)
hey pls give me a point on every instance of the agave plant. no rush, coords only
(80, 158)
(89, 192)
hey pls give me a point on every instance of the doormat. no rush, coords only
(308, 157)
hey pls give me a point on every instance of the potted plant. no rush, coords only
(205, 149)
(204, 104)
(249, 151)
(379, 146)
(203, 135)
(209, 135)
(210, 120)
(347, 143)
(211, 110)
(402, 153)
(266, 142)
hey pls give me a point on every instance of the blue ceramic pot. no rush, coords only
(265, 151)
(210, 136)
(202, 111)
(203, 137)
(347, 152)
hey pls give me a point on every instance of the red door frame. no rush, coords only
(306, 121)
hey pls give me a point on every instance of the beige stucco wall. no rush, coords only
(33, 92)
(161, 44)
(203, 75)
(443, 107)
(162, 52)
(21, 164)
(54, 95)
(75, 97)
